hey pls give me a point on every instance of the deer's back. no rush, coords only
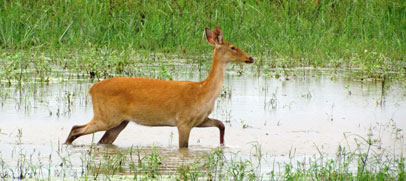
(147, 101)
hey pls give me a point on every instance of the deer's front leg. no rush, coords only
(184, 132)
(208, 122)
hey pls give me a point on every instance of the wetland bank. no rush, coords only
(326, 104)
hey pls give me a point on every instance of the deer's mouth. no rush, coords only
(249, 61)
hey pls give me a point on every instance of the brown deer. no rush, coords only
(154, 102)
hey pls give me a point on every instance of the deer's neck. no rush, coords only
(214, 82)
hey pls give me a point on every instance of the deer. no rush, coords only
(155, 102)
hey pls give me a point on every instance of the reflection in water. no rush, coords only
(163, 159)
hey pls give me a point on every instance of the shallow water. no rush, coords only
(307, 112)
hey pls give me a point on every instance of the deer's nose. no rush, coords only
(251, 59)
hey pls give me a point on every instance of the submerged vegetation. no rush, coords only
(366, 161)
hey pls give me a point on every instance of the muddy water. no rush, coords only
(310, 112)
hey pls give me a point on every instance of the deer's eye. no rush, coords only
(232, 48)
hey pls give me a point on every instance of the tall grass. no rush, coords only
(312, 33)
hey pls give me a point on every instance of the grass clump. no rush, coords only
(366, 161)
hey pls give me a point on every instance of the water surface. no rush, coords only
(307, 112)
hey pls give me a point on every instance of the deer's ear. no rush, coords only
(210, 37)
(218, 35)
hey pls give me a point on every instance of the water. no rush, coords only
(306, 112)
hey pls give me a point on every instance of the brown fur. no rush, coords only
(154, 102)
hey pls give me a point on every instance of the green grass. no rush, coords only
(370, 35)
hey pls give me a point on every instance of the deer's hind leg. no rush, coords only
(111, 134)
(93, 126)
